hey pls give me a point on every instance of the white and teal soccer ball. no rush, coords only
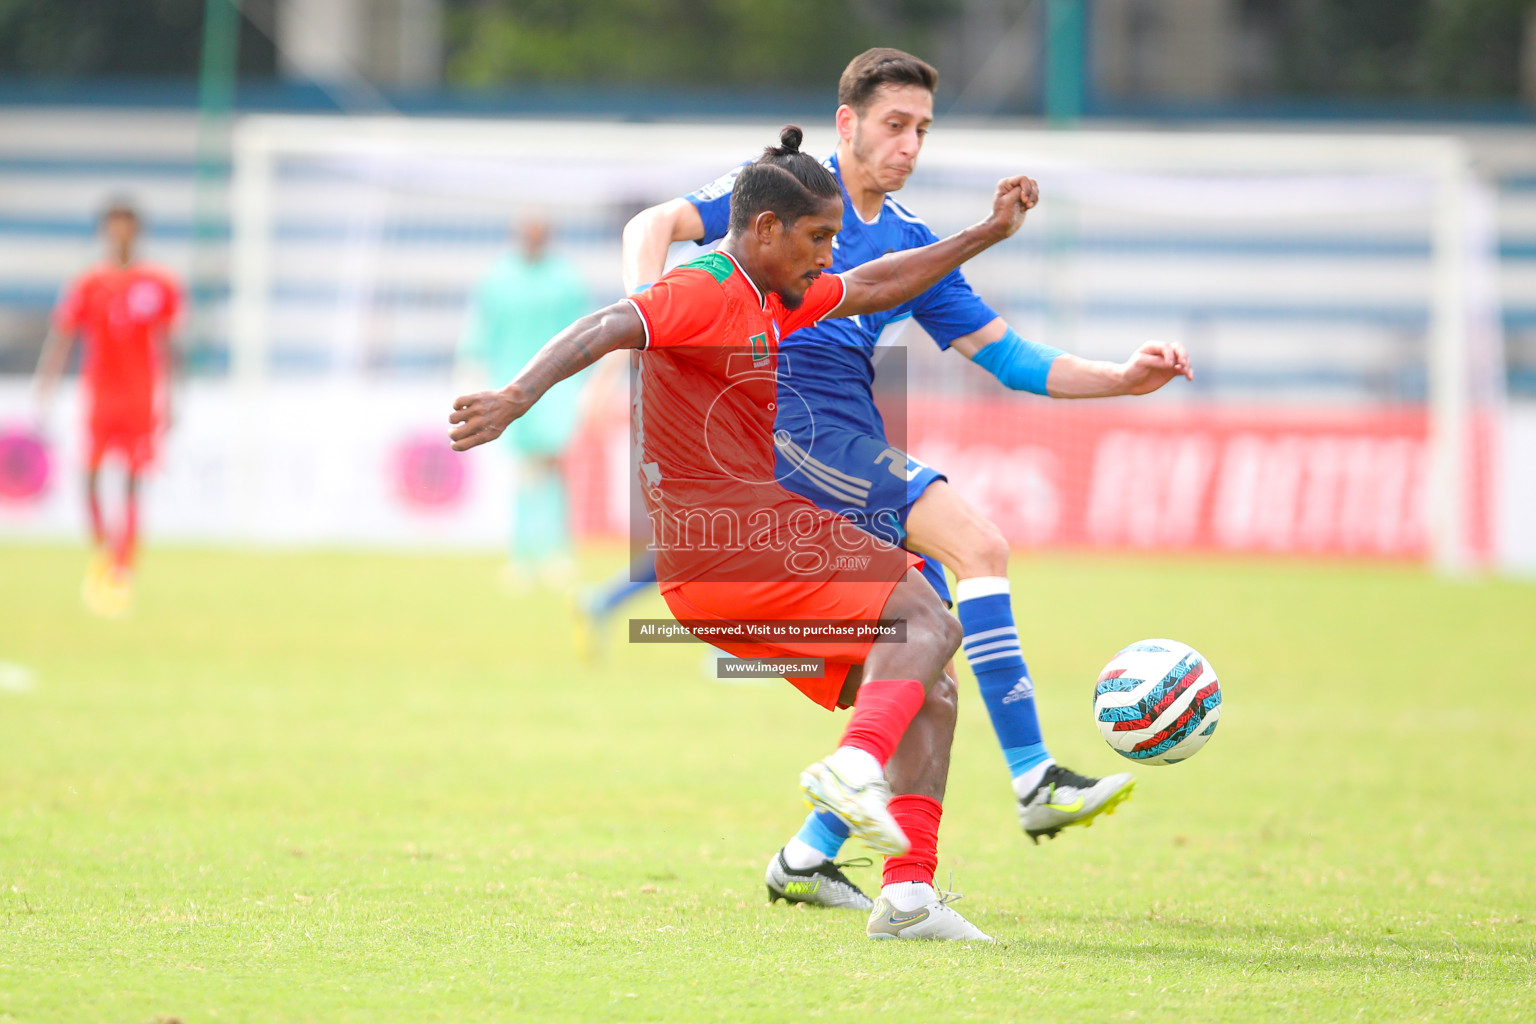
(1157, 702)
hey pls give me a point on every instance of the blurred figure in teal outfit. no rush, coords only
(525, 298)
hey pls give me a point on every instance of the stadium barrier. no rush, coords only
(1109, 475)
(1116, 475)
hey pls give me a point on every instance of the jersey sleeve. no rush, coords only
(824, 295)
(170, 316)
(951, 309)
(70, 311)
(680, 309)
(713, 202)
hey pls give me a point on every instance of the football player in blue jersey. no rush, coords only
(832, 445)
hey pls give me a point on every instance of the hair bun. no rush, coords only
(789, 138)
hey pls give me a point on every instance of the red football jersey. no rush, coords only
(122, 315)
(703, 416)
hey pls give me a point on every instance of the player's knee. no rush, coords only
(987, 549)
(931, 632)
(946, 631)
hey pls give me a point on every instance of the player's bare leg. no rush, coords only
(932, 635)
(127, 547)
(93, 588)
(945, 526)
(920, 765)
(93, 507)
(851, 783)
(539, 553)
(804, 871)
(909, 906)
(917, 768)
(125, 550)
(113, 590)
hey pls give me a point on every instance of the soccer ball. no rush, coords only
(1157, 702)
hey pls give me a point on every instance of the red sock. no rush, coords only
(918, 817)
(881, 713)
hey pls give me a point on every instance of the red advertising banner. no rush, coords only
(1113, 475)
(1127, 474)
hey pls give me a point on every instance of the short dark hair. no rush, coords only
(881, 66)
(784, 180)
(119, 206)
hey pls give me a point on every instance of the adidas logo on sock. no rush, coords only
(1022, 690)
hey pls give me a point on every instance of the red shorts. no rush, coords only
(829, 600)
(133, 439)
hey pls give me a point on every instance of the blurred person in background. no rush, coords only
(124, 312)
(527, 297)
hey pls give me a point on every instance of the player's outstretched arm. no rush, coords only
(1149, 368)
(50, 367)
(1043, 370)
(483, 416)
(897, 277)
(650, 233)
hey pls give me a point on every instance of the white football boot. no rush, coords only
(850, 784)
(935, 919)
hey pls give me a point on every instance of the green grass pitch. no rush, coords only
(317, 787)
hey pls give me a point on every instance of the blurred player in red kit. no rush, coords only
(123, 311)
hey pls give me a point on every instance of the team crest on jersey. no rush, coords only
(145, 300)
(760, 349)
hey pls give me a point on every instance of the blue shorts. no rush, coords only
(863, 479)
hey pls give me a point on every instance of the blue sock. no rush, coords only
(824, 832)
(625, 585)
(992, 647)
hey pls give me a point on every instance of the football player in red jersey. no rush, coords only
(837, 453)
(124, 312)
(734, 545)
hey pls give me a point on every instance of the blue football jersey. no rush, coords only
(828, 369)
